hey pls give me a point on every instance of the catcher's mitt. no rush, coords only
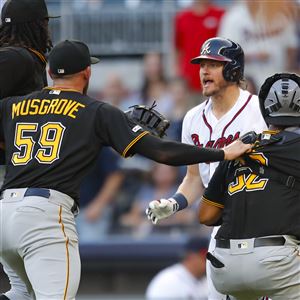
(149, 119)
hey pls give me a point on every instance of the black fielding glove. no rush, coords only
(149, 119)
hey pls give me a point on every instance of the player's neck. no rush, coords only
(65, 84)
(224, 101)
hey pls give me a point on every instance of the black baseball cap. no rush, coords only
(20, 11)
(70, 57)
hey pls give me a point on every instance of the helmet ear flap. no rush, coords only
(231, 73)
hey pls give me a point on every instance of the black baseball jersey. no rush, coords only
(256, 196)
(53, 137)
(22, 71)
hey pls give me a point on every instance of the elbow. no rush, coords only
(205, 219)
(208, 215)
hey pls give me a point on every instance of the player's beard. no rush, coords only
(85, 89)
(217, 89)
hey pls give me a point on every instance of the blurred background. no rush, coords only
(145, 47)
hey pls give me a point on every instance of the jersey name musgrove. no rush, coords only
(66, 107)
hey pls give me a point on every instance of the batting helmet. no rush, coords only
(279, 99)
(227, 51)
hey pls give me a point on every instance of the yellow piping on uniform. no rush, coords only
(67, 252)
(212, 203)
(40, 55)
(60, 89)
(133, 142)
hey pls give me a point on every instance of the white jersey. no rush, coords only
(203, 129)
(176, 282)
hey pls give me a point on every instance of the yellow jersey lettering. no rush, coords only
(61, 106)
(16, 109)
(75, 109)
(25, 107)
(68, 107)
(52, 106)
(34, 107)
(44, 107)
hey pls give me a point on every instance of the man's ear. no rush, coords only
(87, 73)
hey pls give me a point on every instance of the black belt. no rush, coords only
(258, 242)
(39, 192)
(45, 193)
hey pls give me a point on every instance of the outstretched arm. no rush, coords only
(176, 154)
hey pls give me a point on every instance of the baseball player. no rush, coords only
(52, 138)
(24, 41)
(257, 255)
(228, 113)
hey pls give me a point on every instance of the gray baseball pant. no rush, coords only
(250, 272)
(39, 244)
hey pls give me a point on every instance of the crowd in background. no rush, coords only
(115, 194)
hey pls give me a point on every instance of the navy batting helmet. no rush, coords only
(227, 51)
(279, 99)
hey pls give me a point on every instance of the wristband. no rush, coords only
(181, 200)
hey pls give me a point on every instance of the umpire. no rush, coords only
(258, 203)
(52, 139)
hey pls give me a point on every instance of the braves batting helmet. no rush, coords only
(279, 99)
(227, 51)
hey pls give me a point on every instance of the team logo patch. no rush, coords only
(60, 71)
(206, 49)
(136, 128)
(54, 92)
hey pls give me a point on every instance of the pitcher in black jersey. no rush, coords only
(52, 139)
(257, 202)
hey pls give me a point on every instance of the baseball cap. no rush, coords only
(20, 11)
(70, 57)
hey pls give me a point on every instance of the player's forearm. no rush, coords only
(174, 153)
(191, 188)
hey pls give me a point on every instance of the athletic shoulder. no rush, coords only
(15, 54)
(195, 111)
(250, 99)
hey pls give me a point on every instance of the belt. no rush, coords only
(39, 192)
(45, 193)
(258, 242)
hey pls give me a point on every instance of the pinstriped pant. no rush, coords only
(39, 246)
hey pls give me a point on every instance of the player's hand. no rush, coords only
(236, 149)
(161, 209)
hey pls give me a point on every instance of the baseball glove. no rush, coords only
(149, 119)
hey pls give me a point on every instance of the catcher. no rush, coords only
(257, 203)
(52, 138)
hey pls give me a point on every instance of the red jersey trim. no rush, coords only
(206, 122)
(235, 116)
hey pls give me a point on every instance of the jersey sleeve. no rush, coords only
(115, 129)
(216, 189)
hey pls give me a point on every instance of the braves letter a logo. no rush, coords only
(206, 49)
